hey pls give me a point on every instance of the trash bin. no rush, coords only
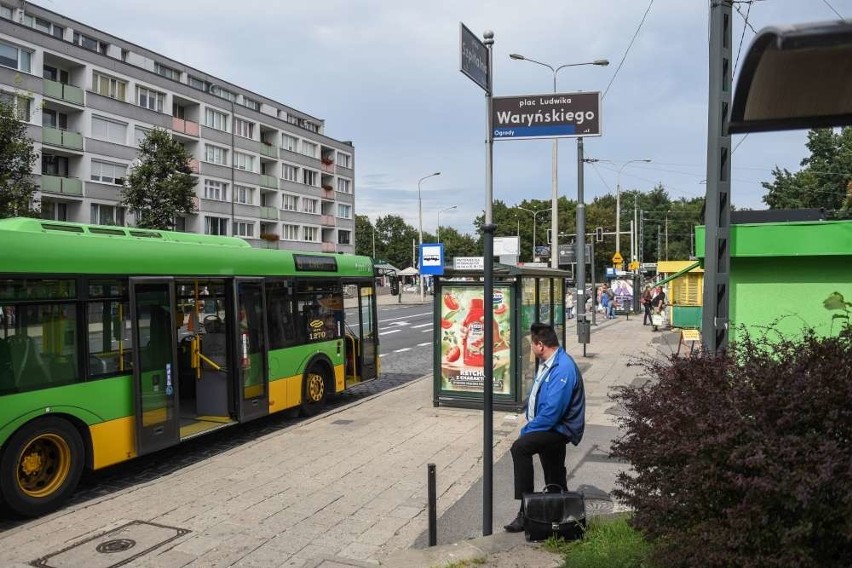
(584, 330)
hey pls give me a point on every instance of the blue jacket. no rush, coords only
(560, 404)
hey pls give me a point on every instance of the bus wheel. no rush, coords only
(314, 390)
(41, 466)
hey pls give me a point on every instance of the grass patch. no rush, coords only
(609, 543)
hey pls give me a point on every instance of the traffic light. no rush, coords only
(599, 234)
(549, 236)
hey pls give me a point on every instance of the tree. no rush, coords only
(17, 158)
(160, 186)
(825, 180)
(399, 240)
(364, 235)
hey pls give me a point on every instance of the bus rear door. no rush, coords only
(252, 350)
(369, 332)
(155, 380)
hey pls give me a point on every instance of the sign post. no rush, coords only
(476, 63)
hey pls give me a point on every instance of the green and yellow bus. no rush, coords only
(117, 342)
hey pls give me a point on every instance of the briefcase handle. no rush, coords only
(558, 488)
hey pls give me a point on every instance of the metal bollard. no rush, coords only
(432, 506)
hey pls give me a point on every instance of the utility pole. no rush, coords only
(667, 236)
(641, 236)
(659, 244)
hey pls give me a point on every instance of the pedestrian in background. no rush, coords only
(569, 304)
(556, 416)
(646, 303)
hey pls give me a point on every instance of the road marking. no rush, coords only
(426, 330)
(399, 323)
(403, 349)
(421, 325)
(391, 331)
(424, 344)
(408, 316)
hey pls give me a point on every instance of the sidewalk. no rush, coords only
(347, 488)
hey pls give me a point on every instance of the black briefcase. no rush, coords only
(554, 514)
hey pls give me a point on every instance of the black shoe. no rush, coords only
(517, 525)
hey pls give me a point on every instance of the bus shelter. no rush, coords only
(522, 296)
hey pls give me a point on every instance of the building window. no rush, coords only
(109, 86)
(20, 104)
(244, 194)
(139, 135)
(166, 72)
(218, 91)
(147, 98)
(290, 143)
(215, 155)
(344, 238)
(5, 12)
(289, 202)
(106, 172)
(290, 173)
(55, 74)
(344, 185)
(54, 119)
(309, 205)
(90, 43)
(290, 233)
(311, 126)
(54, 211)
(197, 83)
(311, 234)
(109, 130)
(243, 128)
(251, 103)
(309, 149)
(344, 211)
(243, 229)
(215, 119)
(44, 26)
(215, 190)
(344, 160)
(54, 165)
(215, 226)
(310, 177)
(14, 57)
(107, 215)
(244, 161)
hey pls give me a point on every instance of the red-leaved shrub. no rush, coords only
(743, 459)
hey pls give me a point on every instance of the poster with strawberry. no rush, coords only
(463, 339)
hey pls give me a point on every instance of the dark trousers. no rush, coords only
(550, 447)
(647, 318)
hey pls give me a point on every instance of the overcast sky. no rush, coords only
(385, 75)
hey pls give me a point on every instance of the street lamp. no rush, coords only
(420, 216)
(618, 197)
(535, 213)
(439, 219)
(554, 216)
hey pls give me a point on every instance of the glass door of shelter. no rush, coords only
(252, 375)
(154, 369)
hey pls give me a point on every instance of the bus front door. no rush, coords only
(154, 363)
(369, 332)
(252, 358)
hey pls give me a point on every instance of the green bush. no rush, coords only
(744, 458)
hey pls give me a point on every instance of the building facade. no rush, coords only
(266, 172)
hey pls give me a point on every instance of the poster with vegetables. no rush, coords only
(463, 339)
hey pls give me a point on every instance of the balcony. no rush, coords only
(185, 126)
(327, 166)
(270, 213)
(327, 220)
(62, 92)
(269, 182)
(329, 247)
(268, 150)
(328, 192)
(61, 185)
(194, 166)
(61, 138)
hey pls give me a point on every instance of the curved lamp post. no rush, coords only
(439, 219)
(420, 216)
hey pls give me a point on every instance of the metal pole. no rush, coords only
(420, 230)
(488, 229)
(554, 196)
(594, 284)
(580, 241)
(432, 498)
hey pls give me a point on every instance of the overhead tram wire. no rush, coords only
(620, 63)
(832, 9)
(746, 24)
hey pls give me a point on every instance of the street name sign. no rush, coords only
(469, 263)
(473, 58)
(559, 115)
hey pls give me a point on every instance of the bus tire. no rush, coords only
(40, 466)
(315, 386)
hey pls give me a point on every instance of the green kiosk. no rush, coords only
(522, 296)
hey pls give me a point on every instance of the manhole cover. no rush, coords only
(113, 548)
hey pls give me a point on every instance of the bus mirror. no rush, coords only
(394, 285)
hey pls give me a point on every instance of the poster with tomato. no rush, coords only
(463, 339)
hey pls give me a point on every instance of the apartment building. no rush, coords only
(266, 172)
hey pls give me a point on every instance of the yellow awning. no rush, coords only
(679, 273)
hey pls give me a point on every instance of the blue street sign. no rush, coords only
(432, 259)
